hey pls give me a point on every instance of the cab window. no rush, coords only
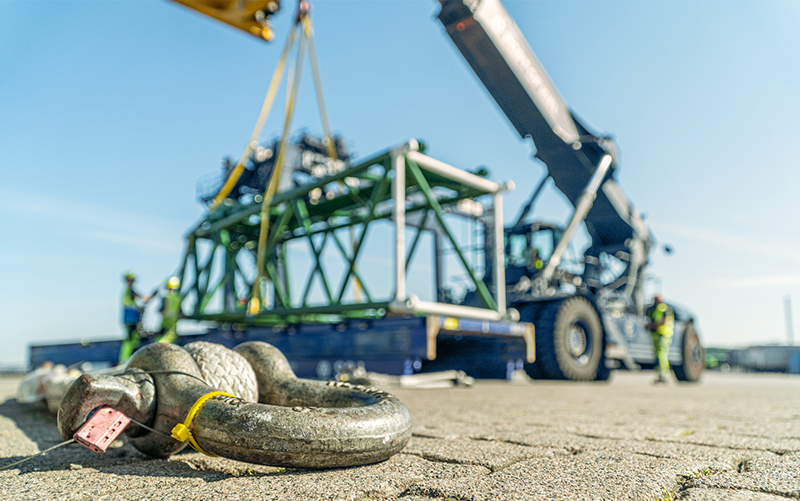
(517, 250)
(543, 242)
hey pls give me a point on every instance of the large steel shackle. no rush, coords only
(266, 415)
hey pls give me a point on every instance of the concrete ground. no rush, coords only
(732, 437)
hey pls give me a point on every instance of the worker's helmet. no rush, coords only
(174, 283)
(130, 275)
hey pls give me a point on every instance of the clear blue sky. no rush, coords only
(111, 110)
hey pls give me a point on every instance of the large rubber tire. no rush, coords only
(569, 340)
(694, 357)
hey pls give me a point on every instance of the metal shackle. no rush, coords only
(295, 422)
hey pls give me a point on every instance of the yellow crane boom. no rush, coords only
(251, 16)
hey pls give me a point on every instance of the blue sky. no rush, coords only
(111, 111)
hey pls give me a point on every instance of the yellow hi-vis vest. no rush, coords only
(170, 310)
(128, 301)
(656, 313)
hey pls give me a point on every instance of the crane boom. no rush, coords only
(498, 53)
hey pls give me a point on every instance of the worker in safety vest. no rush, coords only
(662, 319)
(131, 315)
(170, 312)
(535, 261)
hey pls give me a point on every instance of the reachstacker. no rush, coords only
(521, 304)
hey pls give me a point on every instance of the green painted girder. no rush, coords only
(234, 227)
(225, 216)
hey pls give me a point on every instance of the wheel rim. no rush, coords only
(578, 343)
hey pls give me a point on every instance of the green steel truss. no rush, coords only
(218, 266)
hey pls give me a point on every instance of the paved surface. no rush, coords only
(733, 437)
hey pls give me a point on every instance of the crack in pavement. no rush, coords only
(765, 438)
(743, 465)
(657, 456)
(422, 435)
(777, 452)
(680, 492)
(437, 459)
(378, 494)
(510, 442)
(686, 483)
(119, 490)
(492, 469)
(510, 463)
(682, 482)
(574, 450)
(432, 493)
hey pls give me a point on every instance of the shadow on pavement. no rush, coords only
(40, 427)
(33, 420)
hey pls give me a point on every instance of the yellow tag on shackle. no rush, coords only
(182, 431)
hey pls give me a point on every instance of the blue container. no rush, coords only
(794, 363)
